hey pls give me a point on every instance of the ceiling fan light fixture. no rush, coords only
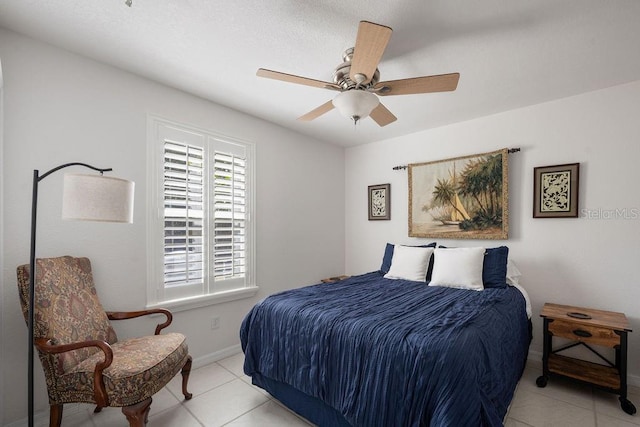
(355, 104)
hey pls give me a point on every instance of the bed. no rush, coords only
(375, 350)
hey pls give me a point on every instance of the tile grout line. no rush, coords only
(521, 422)
(246, 412)
(595, 405)
(269, 399)
(182, 401)
(277, 402)
(236, 377)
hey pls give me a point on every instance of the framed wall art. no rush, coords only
(460, 198)
(555, 191)
(379, 202)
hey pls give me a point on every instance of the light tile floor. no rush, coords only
(565, 404)
(224, 396)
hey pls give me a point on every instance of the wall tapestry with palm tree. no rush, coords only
(461, 198)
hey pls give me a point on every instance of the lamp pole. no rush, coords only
(32, 272)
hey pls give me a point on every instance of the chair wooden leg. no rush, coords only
(137, 414)
(55, 415)
(186, 370)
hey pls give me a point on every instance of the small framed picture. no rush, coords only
(555, 191)
(379, 202)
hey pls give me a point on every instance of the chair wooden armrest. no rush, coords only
(45, 345)
(122, 315)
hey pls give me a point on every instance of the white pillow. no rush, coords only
(458, 268)
(513, 274)
(409, 263)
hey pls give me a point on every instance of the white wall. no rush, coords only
(579, 261)
(1, 232)
(58, 108)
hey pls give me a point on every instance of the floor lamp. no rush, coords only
(85, 197)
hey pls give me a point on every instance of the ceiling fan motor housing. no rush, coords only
(341, 74)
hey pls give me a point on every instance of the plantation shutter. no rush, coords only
(229, 214)
(184, 225)
(200, 227)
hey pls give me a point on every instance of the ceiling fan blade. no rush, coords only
(382, 116)
(426, 84)
(317, 112)
(276, 75)
(371, 42)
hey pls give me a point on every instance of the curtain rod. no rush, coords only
(510, 151)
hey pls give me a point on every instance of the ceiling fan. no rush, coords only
(358, 80)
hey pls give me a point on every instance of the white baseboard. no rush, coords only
(215, 356)
(534, 359)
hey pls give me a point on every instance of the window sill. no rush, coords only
(184, 304)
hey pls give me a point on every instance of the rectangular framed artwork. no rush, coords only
(555, 191)
(460, 198)
(379, 202)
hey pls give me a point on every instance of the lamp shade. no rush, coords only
(97, 198)
(355, 104)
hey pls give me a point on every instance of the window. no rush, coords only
(201, 221)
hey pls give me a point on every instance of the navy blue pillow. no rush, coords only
(386, 259)
(494, 268)
(388, 256)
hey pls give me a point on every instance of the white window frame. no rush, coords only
(158, 131)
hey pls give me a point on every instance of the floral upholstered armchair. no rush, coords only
(83, 360)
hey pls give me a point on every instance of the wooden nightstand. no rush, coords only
(587, 327)
(334, 279)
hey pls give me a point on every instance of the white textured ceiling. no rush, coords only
(509, 53)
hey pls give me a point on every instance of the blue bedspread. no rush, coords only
(393, 352)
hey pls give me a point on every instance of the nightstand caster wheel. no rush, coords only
(542, 381)
(627, 406)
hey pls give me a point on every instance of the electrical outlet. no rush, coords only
(215, 322)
